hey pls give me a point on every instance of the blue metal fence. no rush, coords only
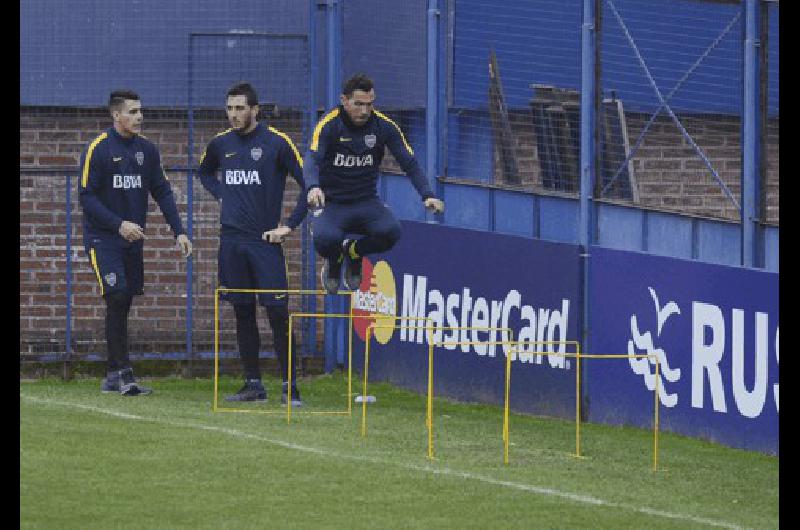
(442, 86)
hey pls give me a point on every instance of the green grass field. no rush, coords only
(91, 460)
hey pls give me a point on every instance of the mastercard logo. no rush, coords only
(376, 301)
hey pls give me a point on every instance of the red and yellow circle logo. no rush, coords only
(375, 299)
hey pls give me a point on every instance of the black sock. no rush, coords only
(248, 338)
(125, 360)
(118, 304)
(279, 321)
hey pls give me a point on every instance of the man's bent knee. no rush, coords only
(388, 237)
(327, 245)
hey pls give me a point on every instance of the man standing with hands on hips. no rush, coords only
(119, 169)
(254, 160)
(341, 174)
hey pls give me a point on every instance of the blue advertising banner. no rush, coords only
(715, 331)
(452, 276)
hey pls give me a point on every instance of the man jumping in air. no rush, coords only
(341, 174)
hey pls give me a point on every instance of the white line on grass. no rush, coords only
(584, 499)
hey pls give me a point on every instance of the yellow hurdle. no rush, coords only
(577, 387)
(367, 341)
(578, 356)
(511, 353)
(655, 395)
(350, 316)
(429, 411)
(514, 350)
(215, 406)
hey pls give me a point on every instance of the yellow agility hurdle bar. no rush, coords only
(655, 394)
(508, 386)
(349, 316)
(511, 352)
(215, 405)
(578, 355)
(366, 360)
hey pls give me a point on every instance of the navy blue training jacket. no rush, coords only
(117, 174)
(343, 159)
(253, 168)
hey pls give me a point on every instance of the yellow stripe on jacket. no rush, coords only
(318, 129)
(85, 176)
(387, 118)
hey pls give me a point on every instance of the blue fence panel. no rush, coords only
(619, 227)
(669, 235)
(465, 130)
(386, 40)
(774, 60)
(719, 243)
(401, 197)
(275, 64)
(559, 219)
(523, 36)
(94, 47)
(771, 248)
(689, 27)
(467, 207)
(514, 213)
(500, 50)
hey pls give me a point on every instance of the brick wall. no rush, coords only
(55, 138)
(669, 175)
(672, 176)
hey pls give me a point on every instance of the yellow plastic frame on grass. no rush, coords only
(577, 387)
(510, 353)
(367, 342)
(578, 356)
(215, 405)
(431, 344)
(350, 318)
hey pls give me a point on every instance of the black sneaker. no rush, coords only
(330, 274)
(110, 383)
(128, 385)
(352, 267)
(296, 401)
(253, 390)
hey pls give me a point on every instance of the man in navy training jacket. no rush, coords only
(341, 174)
(254, 160)
(118, 170)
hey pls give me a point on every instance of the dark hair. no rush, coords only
(357, 82)
(246, 90)
(118, 97)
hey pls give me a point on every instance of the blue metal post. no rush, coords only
(588, 117)
(68, 337)
(333, 327)
(309, 328)
(446, 39)
(334, 53)
(190, 211)
(751, 139)
(432, 105)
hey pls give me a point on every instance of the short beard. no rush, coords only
(247, 123)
